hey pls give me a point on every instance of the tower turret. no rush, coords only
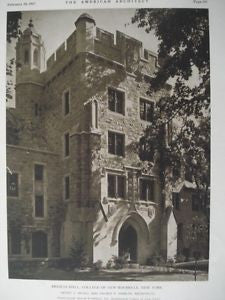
(85, 33)
(30, 52)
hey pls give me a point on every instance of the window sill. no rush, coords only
(147, 203)
(116, 113)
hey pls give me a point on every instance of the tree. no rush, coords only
(183, 53)
(13, 32)
(13, 25)
(183, 36)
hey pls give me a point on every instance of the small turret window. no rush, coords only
(26, 57)
(35, 57)
(94, 114)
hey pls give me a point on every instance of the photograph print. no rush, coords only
(108, 144)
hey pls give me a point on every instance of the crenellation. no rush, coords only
(51, 60)
(105, 37)
(61, 50)
(71, 42)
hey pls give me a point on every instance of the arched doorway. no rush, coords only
(39, 244)
(128, 241)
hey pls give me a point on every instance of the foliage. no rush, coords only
(78, 254)
(97, 265)
(13, 25)
(183, 36)
(156, 260)
(183, 52)
(13, 32)
(180, 258)
(119, 261)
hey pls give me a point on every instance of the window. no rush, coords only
(146, 149)
(15, 242)
(35, 57)
(116, 101)
(66, 102)
(66, 144)
(67, 187)
(26, 57)
(146, 190)
(145, 54)
(176, 200)
(188, 173)
(39, 244)
(196, 202)
(116, 143)
(177, 169)
(94, 114)
(39, 172)
(12, 185)
(146, 110)
(116, 186)
(39, 206)
(180, 231)
(36, 109)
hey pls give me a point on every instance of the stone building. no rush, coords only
(74, 172)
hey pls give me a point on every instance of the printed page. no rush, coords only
(112, 150)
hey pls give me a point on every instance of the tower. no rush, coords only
(85, 33)
(30, 63)
(30, 50)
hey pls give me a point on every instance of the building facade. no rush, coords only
(74, 172)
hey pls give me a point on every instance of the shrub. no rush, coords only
(97, 265)
(110, 264)
(180, 258)
(119, 261)
(78, 255)
(156, 260)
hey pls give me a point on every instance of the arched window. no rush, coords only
(26, 57)
(35, 57)
(94, 114)
(39, 244)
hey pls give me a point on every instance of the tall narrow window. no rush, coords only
(146, 190)
(176, 200)
(35, 57)
(26, 57)
(180, 231)
(116, 186)
(67, 187)
(66, 144)
(12, 185)
(145, 54)
(66, 102)
(39, 206)
(196, 202)
(116, 101)
(116, 143)
(15, 242)
(39, 172)
(36, 110)
(146, 110)
(94, 118)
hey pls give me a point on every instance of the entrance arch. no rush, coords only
(128, 241)
(39, 244)
(132, 232)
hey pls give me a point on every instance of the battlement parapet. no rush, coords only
(119, 47)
